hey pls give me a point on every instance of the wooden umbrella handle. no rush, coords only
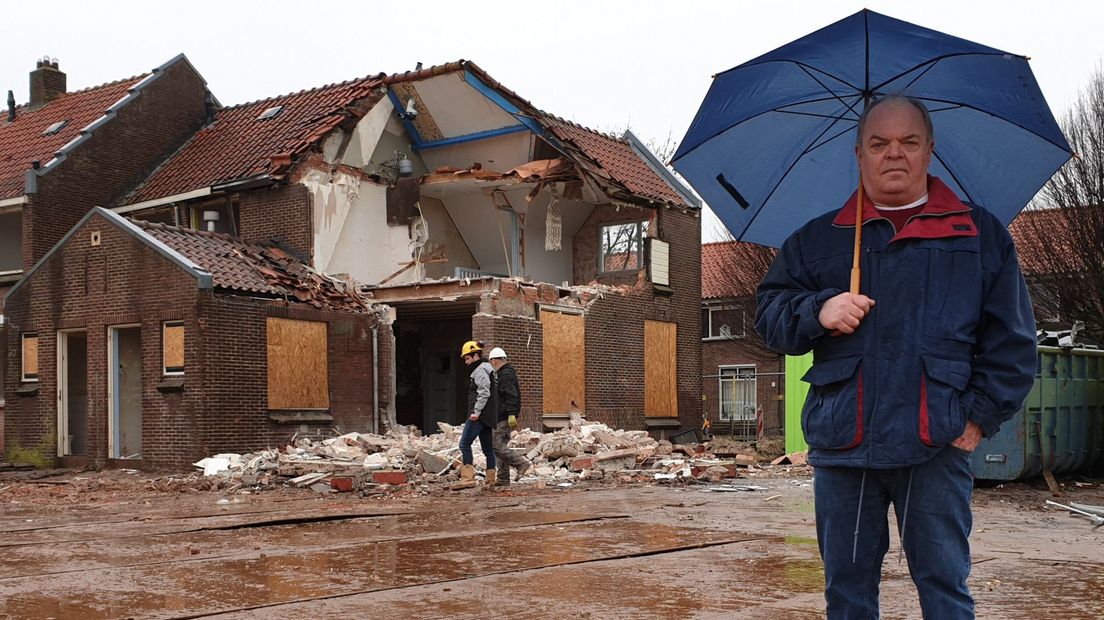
(855, 272)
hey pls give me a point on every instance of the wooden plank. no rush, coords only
(173, 347)
(660, 386)
(30, 356)
(563, 362)
(298, 372)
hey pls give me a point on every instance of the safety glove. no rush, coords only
(512, 421)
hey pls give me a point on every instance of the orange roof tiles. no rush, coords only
(617, 159)
(22, 141)
(238, 145)
(720, 264)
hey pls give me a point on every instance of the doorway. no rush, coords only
(431, 381)
(125, 392)
(72, 393)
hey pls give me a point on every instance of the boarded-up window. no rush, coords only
(172, 348)
(30, 357)
(563, 361)
(660, 386)
(298, 373)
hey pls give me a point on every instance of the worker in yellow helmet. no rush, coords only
(482, 415)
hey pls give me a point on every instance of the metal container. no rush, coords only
(1061, 426)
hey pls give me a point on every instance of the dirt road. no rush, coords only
(111, 545)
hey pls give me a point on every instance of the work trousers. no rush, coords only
(473, 429)
(505, 456)
(932, 504)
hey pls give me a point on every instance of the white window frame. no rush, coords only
(164, 369)
(641, 226)
(731, 373)
(711, 308)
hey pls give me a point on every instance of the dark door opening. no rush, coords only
(73, 394)
(430, 378)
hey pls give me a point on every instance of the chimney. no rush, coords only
(47, 82)
(11, 107)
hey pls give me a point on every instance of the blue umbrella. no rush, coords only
(772, 145)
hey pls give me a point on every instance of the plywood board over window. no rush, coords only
(173, 348)
(30, 357)
(660, 385)
(564, 363)
(298, 365)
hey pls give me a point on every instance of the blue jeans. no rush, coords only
(473, 429)
(932, 503)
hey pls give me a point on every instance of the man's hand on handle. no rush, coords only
(843, 313)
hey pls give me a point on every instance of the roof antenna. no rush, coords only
(11, 107)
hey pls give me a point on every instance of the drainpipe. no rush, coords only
(375, 380)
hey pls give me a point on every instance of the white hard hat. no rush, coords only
(497, 353)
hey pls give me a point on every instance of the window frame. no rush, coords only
(732, 373)
(23, 377)
(707, 321)
(165, 372)
(641, 233)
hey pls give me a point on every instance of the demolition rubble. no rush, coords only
(403, 457)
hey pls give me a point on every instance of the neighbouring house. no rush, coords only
(473, 214)
(743, 382)
(63, 153)
(459, 205)
(152, 345)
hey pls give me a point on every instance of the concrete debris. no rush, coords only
(403, 457)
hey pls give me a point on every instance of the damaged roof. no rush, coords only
(257, 269)
(25, 140)
(256, 140)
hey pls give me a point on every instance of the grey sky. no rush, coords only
(603, 63)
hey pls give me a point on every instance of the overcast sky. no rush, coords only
(602, 63)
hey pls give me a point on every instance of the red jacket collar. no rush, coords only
(941, 201)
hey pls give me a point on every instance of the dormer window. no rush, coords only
(270, 112)
(56, 127)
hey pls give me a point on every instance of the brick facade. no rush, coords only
(745, 351)
(222, 406)
(280, 213)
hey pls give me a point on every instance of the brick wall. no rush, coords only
(586, 240)
(748, 350)
(282, 212)
(116, 157)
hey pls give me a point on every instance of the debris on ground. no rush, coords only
(370, 463)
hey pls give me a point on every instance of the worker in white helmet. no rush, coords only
(509, 406)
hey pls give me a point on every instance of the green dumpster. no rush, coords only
(1061, 426)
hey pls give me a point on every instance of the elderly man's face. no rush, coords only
(894, 154)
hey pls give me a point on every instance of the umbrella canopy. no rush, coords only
(772, 145)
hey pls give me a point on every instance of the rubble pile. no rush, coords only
(359, 461)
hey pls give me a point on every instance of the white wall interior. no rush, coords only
(442, 231)
(458, 109)
(552, 266)
(500, 153)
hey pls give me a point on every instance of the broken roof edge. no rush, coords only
(664, 172)
(30, 184)
(203, 278)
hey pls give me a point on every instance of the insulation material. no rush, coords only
(564, 362)
(30, 356)
(660, 391)
(173, 347)
(553, 227)
(298, 374)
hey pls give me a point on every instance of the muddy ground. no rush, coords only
(128, 545)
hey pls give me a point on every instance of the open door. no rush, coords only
(125, 392)
(72, 393)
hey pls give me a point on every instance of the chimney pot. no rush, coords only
(47, 82)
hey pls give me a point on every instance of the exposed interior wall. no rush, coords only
(11, 240)
(586, 241)
(500, 153)
(443, 232)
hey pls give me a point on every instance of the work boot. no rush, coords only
(504, 479)
(467, 478)
(491, 477)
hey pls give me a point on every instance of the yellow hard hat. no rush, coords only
(470, 347)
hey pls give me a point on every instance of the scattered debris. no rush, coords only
(793, 458)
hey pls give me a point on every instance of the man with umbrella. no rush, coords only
(910, 296)
(938, 352)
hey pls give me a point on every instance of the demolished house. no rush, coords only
(465, 210)
(211, 344)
